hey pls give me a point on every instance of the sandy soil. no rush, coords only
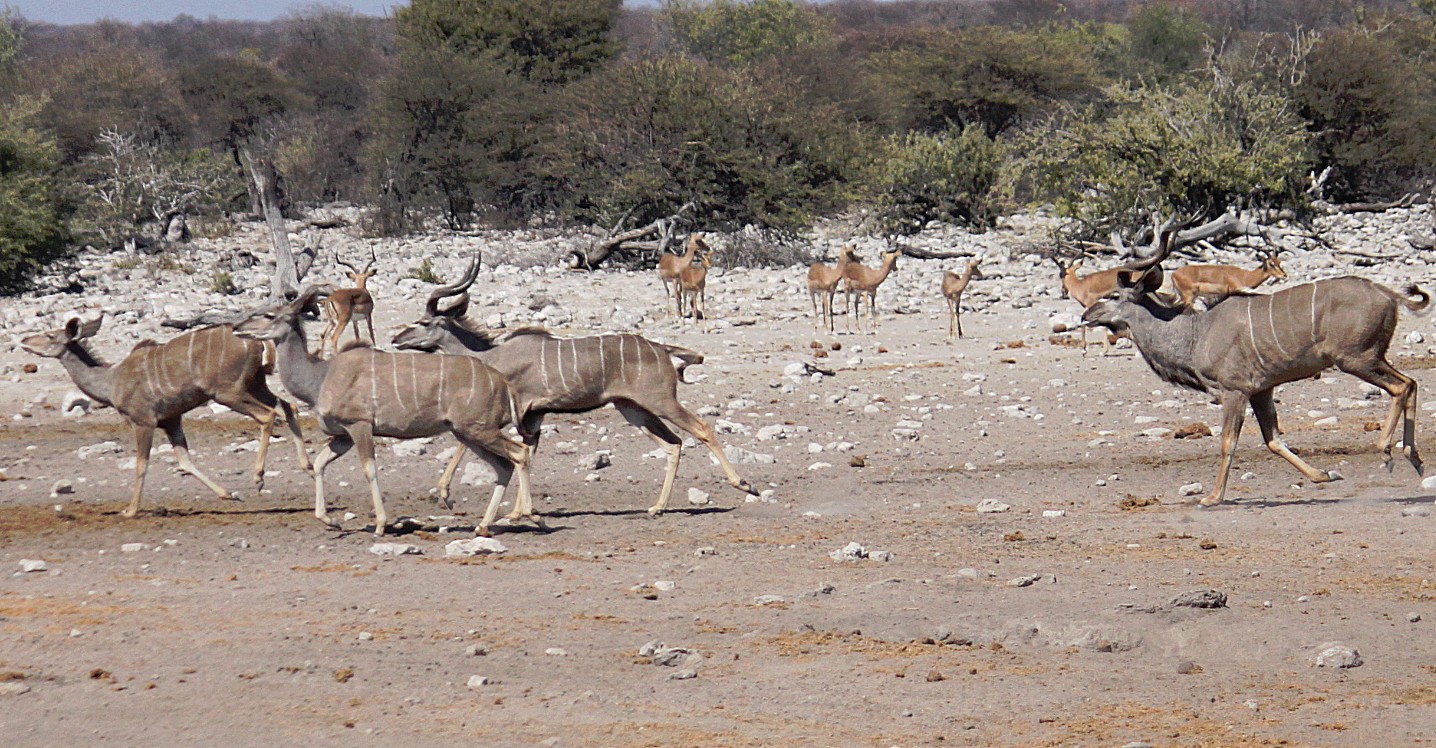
(250, 623)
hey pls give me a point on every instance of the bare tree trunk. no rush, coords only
(265, 179)
(581, 260)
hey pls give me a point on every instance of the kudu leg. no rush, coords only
(1234, 410)
(507, 458)
(662, 435)
(362, 433)
(291, 420)
(447, 479)
(1265, 409)
(1403, 405)
(144, 441)
(675, 413)
(263, 410)
(335, 448)
(174, 430)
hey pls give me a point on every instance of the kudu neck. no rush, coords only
(94, 377)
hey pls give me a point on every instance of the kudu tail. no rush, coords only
(1415, 306)
(686, 356)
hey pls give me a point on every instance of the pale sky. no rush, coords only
(133, 11)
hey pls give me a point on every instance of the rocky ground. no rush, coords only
(981, 542)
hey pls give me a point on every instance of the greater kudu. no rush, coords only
(574, 375)
(362, 393)
(155, 385)
(1243, 348)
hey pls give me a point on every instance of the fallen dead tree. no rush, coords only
(665, 229)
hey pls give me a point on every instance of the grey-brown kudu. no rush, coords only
(362, 393)
(156, 384)
(573, 375)
(1244, 347)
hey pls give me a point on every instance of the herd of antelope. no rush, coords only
(452, 376)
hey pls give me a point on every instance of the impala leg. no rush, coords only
(1234, 408)
(951, 319)
(663, 436)
(335, 448)
(1265, 410)
(144, 441)
(175, 432)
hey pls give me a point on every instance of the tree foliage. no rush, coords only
(32, 213)
(742, 33)
(646, 137)
(1166, 149)
(946, 177)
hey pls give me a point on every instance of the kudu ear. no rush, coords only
(79, 329)
(455, 310)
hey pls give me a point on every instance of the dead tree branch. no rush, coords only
(664, 227)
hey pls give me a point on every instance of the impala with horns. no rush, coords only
(362, 393)
(345, 304)
(1221, 281)
(573, 375)
(157, 384)
(1243, 348)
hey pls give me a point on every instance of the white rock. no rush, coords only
(61, 486)
(28, 565)
(739, 456)
(75, 401)
(1326, 422)
(409, 448)
(1054, 512)
(132, 547)
(698, 497)
(395, 549)
(1337, 655)
(94, 450)
(473, 547)
(1190, 489)
(478, 473)
(851, 552)
(1429, 481)
(991, 506)
(477, 681)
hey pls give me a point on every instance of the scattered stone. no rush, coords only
(475, 650)
(478, 681)
(1429, 481)
(61, 486)
(739, 456)
(473, 547)
(684, 675)
(95, 450)
(478, 473)
(28, 565)
(1188, 668)
(853, 551)
(1337, 655)
(768, 600)
(13, 688)
(1024, 581)
(991, 506)
(556, 652)
(395, 549)
(75, 401)
(132, 547)
(599, 460)
(706, 550)
(1054, 513)
(1200, 599)
(1190, 489)
(366, 636)
(1413, 617)
(1327, 422)
(881, 555)
(1197, 430)
(698, 497)
(410, 448)
(1415, 511)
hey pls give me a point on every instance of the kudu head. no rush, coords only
(1136, 281)
(427, 332)
(52, 344)
(275, 321)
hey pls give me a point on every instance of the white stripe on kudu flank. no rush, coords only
(473, 380)
(558, 352)
(1271, 320)
(543, 367)
(1313, 313)
(602, 360)
(622, 360)
(1251, 334)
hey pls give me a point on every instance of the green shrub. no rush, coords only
(1183, 149)
(424, 272)
(944, 177)
(222, 283)
(32, 215)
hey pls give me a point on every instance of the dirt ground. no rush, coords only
(250, 623)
